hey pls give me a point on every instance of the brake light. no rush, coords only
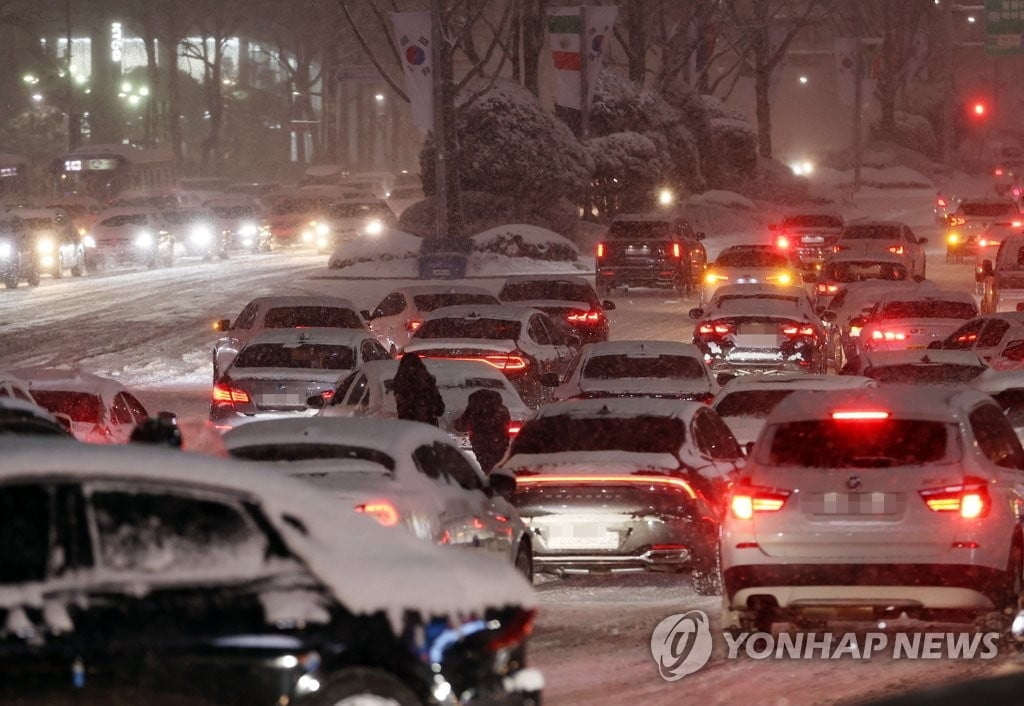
(748, 500)
(970, 499)
(797, 330)
(514, 427)
(600, 249)
(941, 203)
(985, 242)
(507, 363)
(413, 325)
(888, 336)
(513, 632)
(712, 278)
(782, 242)
(639, 479)
(677, 250)
(381, 510)
(896, 249)
(715, 328)
(584, 317)
(226, 393)
(828, 288)
(861, 415)
(999, 171)
(1016, 224)
(327, 395)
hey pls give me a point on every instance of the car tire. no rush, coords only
(358, 686)
(58, 272)
(79, 268)
(33, 278)
(524, 561)
(11, 282)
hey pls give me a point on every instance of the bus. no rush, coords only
(116, 174)
(13, 178)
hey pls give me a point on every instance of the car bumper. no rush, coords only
(1009, 300)
(649, 275)
(593, 563)
(225, 418)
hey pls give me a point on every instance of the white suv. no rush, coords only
(874, 502)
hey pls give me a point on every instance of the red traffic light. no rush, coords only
(979, 109)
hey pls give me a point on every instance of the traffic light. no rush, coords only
(979, 110)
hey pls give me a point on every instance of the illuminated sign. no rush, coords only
(101, 164)
(73, 165)
(8, 172)
(116, 42)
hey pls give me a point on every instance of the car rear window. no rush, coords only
(553, 290)
(312, 317)
(429, 302)
(873, 232)
(489, 329)
(924, 374)
(987, 209)
(311, 356)
(659, 435)
(813, 221)
(639, 230)
(613, 367)
(856, 443)
(860, 271)
(929, 310)
(79, 406)
(751, 258)
(313, 452)
(751, 403)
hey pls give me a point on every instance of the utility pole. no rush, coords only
(858, 98)
(948, 87)
(440, 148)
(584, 83)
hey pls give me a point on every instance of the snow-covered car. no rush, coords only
(624, 485)
(809, 237)
(129, 235)
(100, 410)
(58, 246)
(1006, 388)
(21, 418)
(14, 387)
(752, 328)
(872, 503)
(350, 218)
(290, 215)
(277, 313)
(885, 236)
(977, 218)
(745, 402)
(748, 264)
(904, 320)
(929, 367)
(175, 578)
(369, 392)
(645, 250)
(848, 267)
(243, 222)
(997, 338)
(401, 311)
(1003, 278)
(198, 231)
(277, 371)
(523, 343)
(661, 369)
(19, 258)
(570, 301)
(399, 473)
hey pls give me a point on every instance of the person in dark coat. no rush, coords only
(416, 395)
(486, 419)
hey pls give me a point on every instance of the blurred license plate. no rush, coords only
(757, 340)
(581, 536)
(444, 271)
(280, 399)
(854, 503)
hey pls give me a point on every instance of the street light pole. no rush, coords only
(947, 84)
(440, 146)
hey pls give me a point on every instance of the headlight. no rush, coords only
(144, 240)
(307, 236)
(201, 235)
(247, 230)
(785, 278)
(323, 230)
(374, 227)
(82, 231)
(953, 238)
(45, 246)
(89, 241)
(6, 250)
(321, 243)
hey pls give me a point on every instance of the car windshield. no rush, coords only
(312, 317)
(312, 356)
(284, 452)
(639, 230)
(553, 290)
(751, 403)
(813, 221)
(987, 209)
(78, 406)
(749, 257)
(612, 367)
(871, 232)
(930, 309)
(925, 374)
(859, 271)
(179, 217)
(492, 329)
(856, 443)
(561, 433)
(429, 302)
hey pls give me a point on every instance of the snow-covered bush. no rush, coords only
(523, 240)
(483, 210)
(912, 131)
(389, 245)
(628, 169)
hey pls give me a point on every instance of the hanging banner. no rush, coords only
(565, 26)
(412, 32)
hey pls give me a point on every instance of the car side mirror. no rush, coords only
(810, 277)
(316, 402)
(550, 379)
(699, 235)
(1014, 351)
(987, 269)
(696, 313)
(828, 316)
(724, 378)
(501, 484)
(608, 305)
(222, 325)
(365, 313)
(922, 241)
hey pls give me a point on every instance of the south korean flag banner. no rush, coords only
(412, 32)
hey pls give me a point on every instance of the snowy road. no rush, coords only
(152, 330)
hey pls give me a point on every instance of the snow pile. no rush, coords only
(390, 245)
(721, 197)
(896, 177)
(524, 240)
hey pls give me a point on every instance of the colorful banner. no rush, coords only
(564, 34)
(412, 32)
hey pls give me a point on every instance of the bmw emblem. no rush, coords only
(853, 482)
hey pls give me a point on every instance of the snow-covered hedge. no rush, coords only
(524, 240)
(482, 211)
(389, 245)
(912, 131)
(628, 169)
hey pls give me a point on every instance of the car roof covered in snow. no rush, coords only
(643, 218)
(640, 349)
(899, 401)
(995, 381)
(882, 359)
(794, 381)
(394, 571)
(861, 256)
(350, 337)
(303, 300)
(443, 370)
(392, 436)
(928, 295)
(63, 379)
(503, 312)
(619, 408)
(420, 289)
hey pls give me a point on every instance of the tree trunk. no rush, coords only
(762, 85)
(637, 30)
(211, 151)
(515, 37)
(886, 88)
(533, 40)
(153, 76)
(168, 47)
(104, 114)
(456, 220)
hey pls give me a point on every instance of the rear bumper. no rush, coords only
(225, 417)
(647, 559)
(655, 274)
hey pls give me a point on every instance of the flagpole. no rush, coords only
(584, 84)
(440, 146)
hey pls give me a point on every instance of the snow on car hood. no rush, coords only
(588, 462)
(646, 386)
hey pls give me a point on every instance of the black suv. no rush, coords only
(18, 257)
(645, 251)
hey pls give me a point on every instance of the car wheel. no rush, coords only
(362, 686)
(33, 278)
(11, 281)
(58, 273)
(524, 561)
(79, 268)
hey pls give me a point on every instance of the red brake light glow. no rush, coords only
(782, 242)
(507, 363)
(715, 328)
(225, 393)
(896, 249)
(677, 251)
(827, 288)
(797, 330)
(999, 171)
(381, 510)
(878, 335)
(970, 499)
(600, 249)
(546, 479)
(860, 415)
(514, 427)
(584, 317)
(748, 500)
(941, 203)
(413, 325)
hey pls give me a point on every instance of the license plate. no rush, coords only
(747, 280)
(813, 240)
(853, 504)
(756, 340)
(581, 536)
(280, 399)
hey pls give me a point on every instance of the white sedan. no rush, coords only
(400, 313)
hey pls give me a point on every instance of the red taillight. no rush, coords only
(970, 499)
(600, 249)
(226, 393)
(514, 427)
(715, 328)
(413, 325)
(797, 330)
(860, 415)
(750, 499)
(677, 250)
(514, 632)
(584, 317)
(941, 203)
(638, 479)
(327, 395)
(985, 243)
(782, 242)
(896, 249)
(381, 510)
(828, 288)
(999, 171)
(888, 336)
(507, 363)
